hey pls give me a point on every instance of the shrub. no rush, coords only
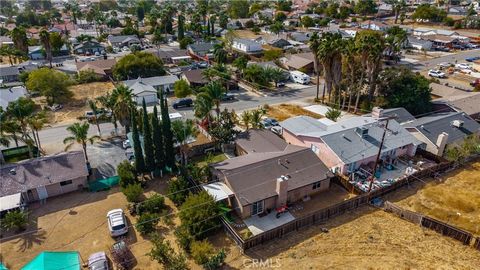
(126, 174)
(133, 192)
(146, 223)
(154, 204)
(199, 214)
(17, 220)
(87, 76)
(163, 253)
(184, 238)
(216, 261)
(178, 190)
(333, 114)
(201, 251)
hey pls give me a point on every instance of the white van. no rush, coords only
(299, 77)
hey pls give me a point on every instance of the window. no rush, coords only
(257, 208)
(64, 183)
(316, 185)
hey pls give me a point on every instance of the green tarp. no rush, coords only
(103, 184)
(50, 260)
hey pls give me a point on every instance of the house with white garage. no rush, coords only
(246, 45)
(164, 83)
(41, 178)
(142, 91)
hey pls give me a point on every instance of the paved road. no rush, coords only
(459, 57)
(52, 138)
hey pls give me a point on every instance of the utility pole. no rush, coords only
(372, 177)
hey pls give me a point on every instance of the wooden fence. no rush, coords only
(447, 230)
(476, 245)
(403, 213)
(325, 214)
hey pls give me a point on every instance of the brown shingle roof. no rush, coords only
(195, 76)
(43, 171)
(99, 66)
(253, 177)
(260, 140)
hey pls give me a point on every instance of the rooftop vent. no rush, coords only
(362, 131)
(13, 171)
(457, 123)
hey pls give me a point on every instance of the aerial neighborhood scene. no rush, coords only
(239, 134)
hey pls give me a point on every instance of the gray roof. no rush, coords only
(140, 87)
(433, 125)
(153, 81)
(11, 94)
(399, 114)
(121, 39)
(466, 103)
(246, 41)
(9, 71)
(201, 47)
(260, 140)
(252, 177)
(343, 139)
(41, 171)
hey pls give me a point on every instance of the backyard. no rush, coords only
(285, 111)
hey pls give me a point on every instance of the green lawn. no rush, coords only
(204, 160)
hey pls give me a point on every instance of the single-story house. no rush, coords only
(442, 40)
(301, 61)
(246, 45)
(399, 114)
(374, 25)
(346, 145)
(440, 130)
(102, 67)
(419, 44)
(35, 52)
(44, 177)
(195, 78)
(142, 91)
(468, 103)
(301, 36)
(268, 13)
(171, 55)
(164, 83)
(122, 41)
(9, 74)
(269, 173)
(279, 43)
(88, 47)
(201, 50)
(11, 94)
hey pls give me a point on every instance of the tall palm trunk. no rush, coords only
(84, 146)
(38, 140)
(349, 100)
(98, 126)
(323, 93)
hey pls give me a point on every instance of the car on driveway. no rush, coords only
(471, 59)
(183, 102)
(117, 223)
(445, 65)
(269, 122)
(463, 66)
(436, 73)
(98, 261)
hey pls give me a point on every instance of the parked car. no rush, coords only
(126, 144)
(436, 73)
(471, 59)
(98, 261)
(100, 113)
(463, 66)
(55, 107)
(445, 65)
(269, 122)
(183, 102)
(117, 223)
(281, 84)
(228, 96)
(203, 65)
(471, 46)
(458, 47)
(122, 256)
(475, 83)
(442, 49)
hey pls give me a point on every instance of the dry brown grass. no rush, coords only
(77, 105)
(285, 111)
(455, 201)
(247, 34)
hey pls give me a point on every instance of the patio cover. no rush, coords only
(10, 202)
(218, 190)
(49, 260)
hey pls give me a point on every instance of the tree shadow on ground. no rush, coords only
(26, 241)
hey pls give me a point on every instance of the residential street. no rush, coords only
(458, 56)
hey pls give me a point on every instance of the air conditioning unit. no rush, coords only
(362, 131)
(457, 123)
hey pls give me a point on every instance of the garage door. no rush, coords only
(149, 99)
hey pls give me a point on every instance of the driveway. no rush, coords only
(105, 156)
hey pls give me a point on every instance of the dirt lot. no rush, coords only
(285, 111)
(362, 239)
(77, 105)
(455, 200)
(77, 222)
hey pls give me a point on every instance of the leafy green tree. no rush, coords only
(87, 76)
(133, 192)
(272, 54)
(123, 105)
(153, 204)
(182, 89)
(275, 74)
(284, 5)
(430, 13)
(240, 62)
(307, 21)
(137, 146)
(178, 189)
(181, 27)
(276, 28)
(199, 213)
(167, 133)
(223, 130)
(17, 220)
(79, 132)
(333, 114)
(56, 42)
(280, 17)
(158, 140)
(365, 7)
(147, 140)
(184, 42)
(138, 64)
(400, 87)
(126, 174)
(216, 261)
(201, 251)
(50, 83)
(164, 254)
(238, 9)
(146, 223)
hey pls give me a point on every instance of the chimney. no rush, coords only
(282, 189)
(441, 143)
(377, 112)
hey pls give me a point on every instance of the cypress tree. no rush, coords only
(139, 161)
(208, 27)
(167, 133)
(180, 30)
(147, 140)
(158, 140)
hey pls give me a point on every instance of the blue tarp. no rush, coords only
(50, 260)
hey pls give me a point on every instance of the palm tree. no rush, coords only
(108, 102)
(215, 92)
(93, 106)
(37, 122)
(20, 40)
(275, 74)
(219, 53)
(329, 52)
(21, 110)
(202, 106)
(79, 133)
(314, 44)
(123, 105)
(246, 117)
(256, 118)
(45, 39)
(182, 131)
(394, 41)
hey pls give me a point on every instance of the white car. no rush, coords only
(126, 144)
(98, 261)
(444, 65)
(117, 223)
(463, 66)
(436, 73)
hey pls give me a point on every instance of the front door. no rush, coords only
(257, 208)
(42, 193)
